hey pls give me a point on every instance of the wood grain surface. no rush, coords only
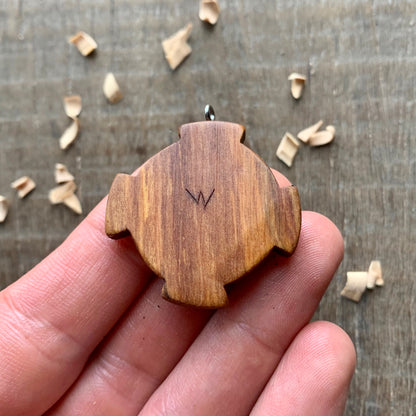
(204, 212)
(359, 59)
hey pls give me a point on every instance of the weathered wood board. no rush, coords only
(359, 58)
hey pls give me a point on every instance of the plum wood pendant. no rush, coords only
(203, 212)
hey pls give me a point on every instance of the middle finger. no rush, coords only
(230, 362)
(138, 354)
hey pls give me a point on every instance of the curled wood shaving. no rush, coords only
(209, 11)
(375, 273)
(73, 203)
(287, 149)
(58, 194)
(306, 134)
(23, 185)
(298, 82)
(73, 106)
(84, 42)
(331, 129)
(358, 282)
(176, 48)
(111, 89)
(356, 285)
(322, 137)
(4, 208)
(64, 194)
(62, 174)
(69, 135)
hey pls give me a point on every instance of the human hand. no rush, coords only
(87, 333)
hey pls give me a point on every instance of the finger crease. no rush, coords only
(118, 363)
(276, 349)
(27, 326)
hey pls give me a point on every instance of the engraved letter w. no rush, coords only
(200, 197)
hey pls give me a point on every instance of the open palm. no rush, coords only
(87, 333)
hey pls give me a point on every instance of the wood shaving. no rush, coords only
(23, 185)
(376, 273)
(111, 89)
(73, 203)
(358, 282)
(176, 48)
(331, 129)
(62, 174)
(4, 208)
(298, 82)
(306, 134)
(73, 106)
(287, 149)
(70, 134)
(209, 11)
(64, 194)
(58, 194)
(322, 137)
(356, 286)
(84, 42)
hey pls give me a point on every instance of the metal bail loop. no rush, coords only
(209, 113)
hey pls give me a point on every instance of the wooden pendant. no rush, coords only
(203, 212)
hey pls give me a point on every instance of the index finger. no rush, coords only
(55, 315)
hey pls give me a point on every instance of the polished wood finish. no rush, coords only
(203, 212)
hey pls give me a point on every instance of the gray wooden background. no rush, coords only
(360, 60)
